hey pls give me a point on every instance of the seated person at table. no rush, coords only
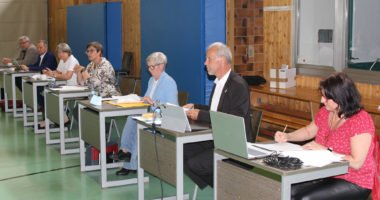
(161, 89)
(229, 95)
(99, 73)
(64, 71)
(28, 52)
(45, 60)
(343, 127)
(27, 56)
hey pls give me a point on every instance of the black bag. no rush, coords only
(254, 80)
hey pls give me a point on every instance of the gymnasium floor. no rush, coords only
(30, 169)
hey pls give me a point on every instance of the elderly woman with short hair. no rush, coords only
(161, 88)
(65, 69)
(99, 73)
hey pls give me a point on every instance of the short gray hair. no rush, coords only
(24, 38)
(63, 47)
(157, 58)
(43, 42)
(221, 51)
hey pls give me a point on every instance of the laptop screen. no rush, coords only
(174, 118)
(229, 133)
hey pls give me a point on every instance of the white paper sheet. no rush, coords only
(279, 147)
(314, 158)
(70, 88)
(130, 98)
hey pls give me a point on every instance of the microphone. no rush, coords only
(156, 115)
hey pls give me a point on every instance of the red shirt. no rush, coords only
(339, 141)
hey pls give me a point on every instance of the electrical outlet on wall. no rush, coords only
(258, 100)
(251, 51)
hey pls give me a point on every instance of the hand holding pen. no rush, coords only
(281, 136)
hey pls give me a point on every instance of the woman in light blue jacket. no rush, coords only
(161, 89)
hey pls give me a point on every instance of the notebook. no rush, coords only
(229, 135)
(174, 118)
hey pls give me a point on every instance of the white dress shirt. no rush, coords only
(153, 89)
(41, 58)
(219, 85)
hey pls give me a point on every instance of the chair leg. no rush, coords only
(195, 192)
(112, 124)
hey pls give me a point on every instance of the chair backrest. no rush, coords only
(137, 89)
(127, 62)
(127, 85)
(256, 116)
(182, 97)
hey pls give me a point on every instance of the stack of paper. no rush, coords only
(128, 105)
(315, 158)
(130, 98)
(70, 88)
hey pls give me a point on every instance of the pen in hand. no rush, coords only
(286, 126)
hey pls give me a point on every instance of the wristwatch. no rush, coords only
(330, 149)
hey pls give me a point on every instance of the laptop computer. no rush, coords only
(174, 118)
(229, 135)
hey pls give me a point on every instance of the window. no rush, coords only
(364, 35)
(315, 30)
(338, 36)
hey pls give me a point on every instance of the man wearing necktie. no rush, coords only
(230, 94)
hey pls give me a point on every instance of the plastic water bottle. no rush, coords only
(52, 83)
(157, 116)
(92, 93)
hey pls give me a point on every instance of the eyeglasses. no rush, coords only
(151, 67)
(89, 51)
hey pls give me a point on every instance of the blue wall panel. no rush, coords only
(215, 31)
(176, 28)
(182, 29)
(114, 33)
(95, 22)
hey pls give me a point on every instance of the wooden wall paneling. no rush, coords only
(312, 82)
(368, 90)
(308, 81)
(376, 121)
(132, 34)
(277, 37)
(277, 2)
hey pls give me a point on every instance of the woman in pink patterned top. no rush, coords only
(343, 127)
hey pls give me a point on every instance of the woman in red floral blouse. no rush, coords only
(343, 127)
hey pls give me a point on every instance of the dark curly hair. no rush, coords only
(342, 90)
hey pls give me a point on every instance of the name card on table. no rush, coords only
(96, 100)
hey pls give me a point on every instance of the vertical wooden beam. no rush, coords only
(230, 26)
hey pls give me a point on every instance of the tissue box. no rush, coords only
(282, 78)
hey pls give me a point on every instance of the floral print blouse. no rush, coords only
(102, 78)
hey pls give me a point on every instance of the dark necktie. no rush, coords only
(23, 52)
